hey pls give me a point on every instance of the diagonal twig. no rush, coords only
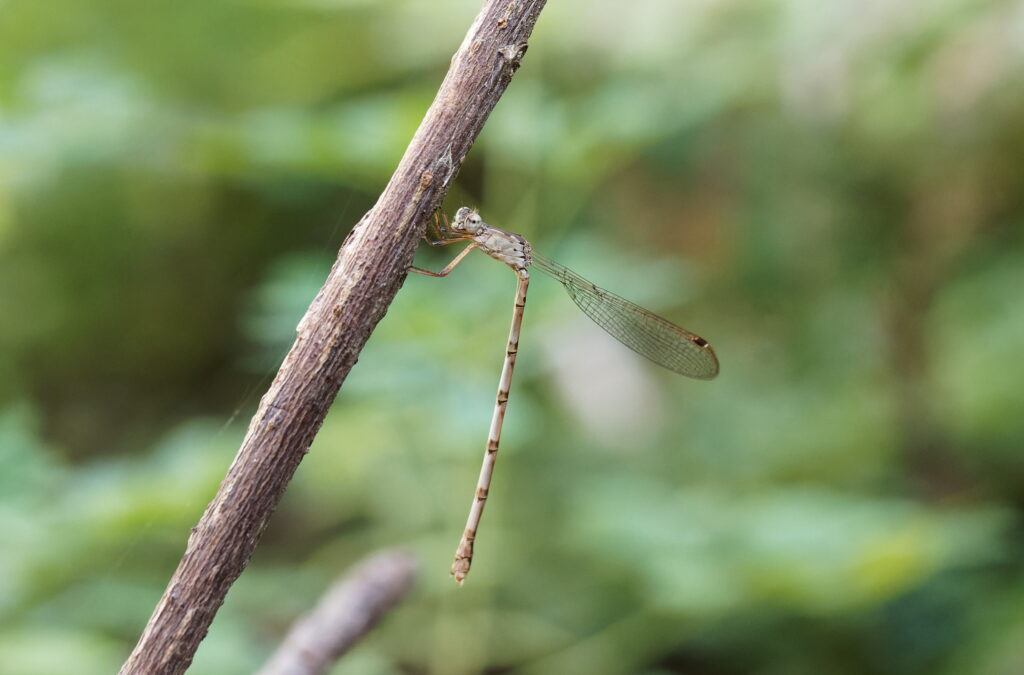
(366, 276)
(346, 612)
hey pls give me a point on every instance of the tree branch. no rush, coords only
(366, 276)
(346, 612)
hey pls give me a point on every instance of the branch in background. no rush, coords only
(349, 609)
(365, 278)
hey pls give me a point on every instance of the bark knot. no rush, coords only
(513, 55)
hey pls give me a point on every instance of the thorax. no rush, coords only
(508, 247)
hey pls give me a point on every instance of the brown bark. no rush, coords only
(365, 278)
(346, 612)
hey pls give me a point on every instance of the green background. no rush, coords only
(832, 193)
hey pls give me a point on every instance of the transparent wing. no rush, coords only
(646, 333)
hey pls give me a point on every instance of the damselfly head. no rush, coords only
(467, 221)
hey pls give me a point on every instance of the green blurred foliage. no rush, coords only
(831, 193)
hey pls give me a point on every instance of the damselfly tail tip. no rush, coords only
(464, 555)
(459, 570)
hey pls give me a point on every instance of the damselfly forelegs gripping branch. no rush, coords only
(644, 332)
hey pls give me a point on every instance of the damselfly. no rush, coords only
(644, 332)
